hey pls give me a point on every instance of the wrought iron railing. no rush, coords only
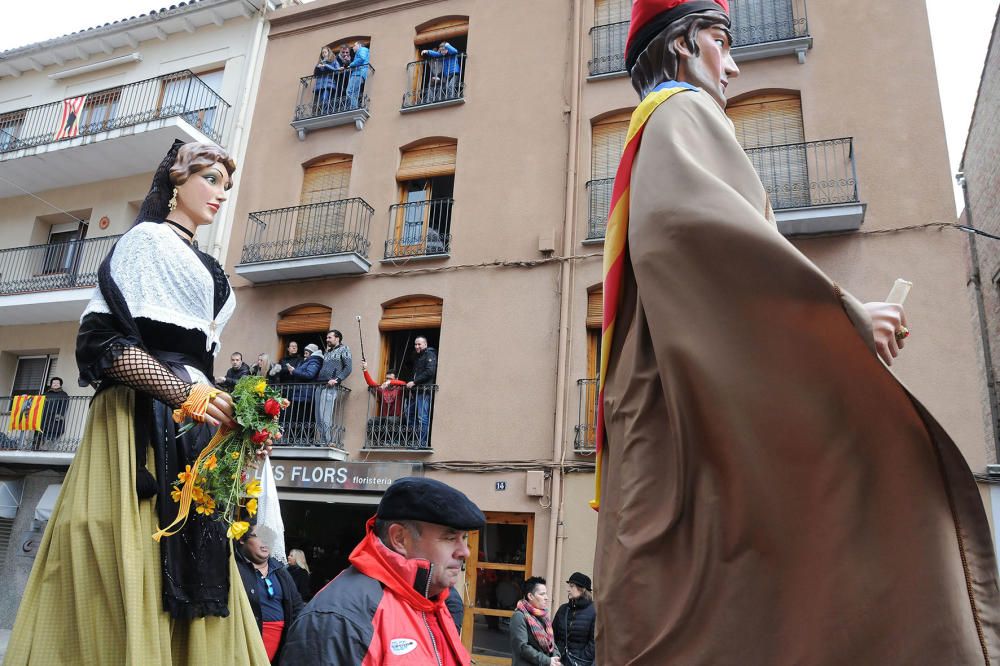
(400, 417)
(420, 228)
(65, 265)
(62, 426)
(180, 94)
(333, 93)
(608, 48)
(435, 80)
(761, 21)
(310, 230)
(599, 194)
(586, 421)
(814, 173)
(314, 416)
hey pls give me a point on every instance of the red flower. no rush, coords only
(260, 437)
(272, 407)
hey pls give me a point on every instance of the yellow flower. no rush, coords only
(207, 508)
(186, 475)
(235, 455)
(233, 476)
(211, 462)
(175, 494)
(237, 529)
(253, 488)
(197, 494)
(260, 386)
(252, 507)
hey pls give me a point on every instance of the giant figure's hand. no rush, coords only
(887, 319)
(220, 410)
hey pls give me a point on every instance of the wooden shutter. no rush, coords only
(305, 319)
(326, 180)
(772, 119)
(595, 308)
(428, 161)
(440, 31)
(608, 141)
(611, 11)
(412, 313)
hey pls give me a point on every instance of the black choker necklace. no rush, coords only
(187, 232)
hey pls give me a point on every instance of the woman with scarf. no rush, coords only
(102, 591)
(531, 638)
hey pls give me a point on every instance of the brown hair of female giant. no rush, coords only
(195, 156)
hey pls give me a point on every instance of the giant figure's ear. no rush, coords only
(681, 48)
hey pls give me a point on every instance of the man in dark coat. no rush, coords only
(421, 395)
(573, 625)
(273, 595)
(238, 370)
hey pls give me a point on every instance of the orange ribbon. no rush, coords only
(184, 509)
(196, 404)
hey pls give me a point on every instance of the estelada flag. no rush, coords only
(69, 126)
(26, 412)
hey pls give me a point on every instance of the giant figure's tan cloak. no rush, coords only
(771, 493)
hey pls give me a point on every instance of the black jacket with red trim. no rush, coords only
(376, 613)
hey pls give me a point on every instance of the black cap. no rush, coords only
(430, 501)
(580, 580)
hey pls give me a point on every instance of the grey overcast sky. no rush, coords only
(960, 41)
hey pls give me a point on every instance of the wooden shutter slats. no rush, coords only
(441, 31)
(595, 309)
(326, 181)
(611, 11)
(305, 319)
(608, 141)
(772, 119)
(427, 161)
(419, 312)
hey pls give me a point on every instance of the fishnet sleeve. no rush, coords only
(135, 368)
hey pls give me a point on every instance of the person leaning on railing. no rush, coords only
(359, 72)
(388, 394)
(444, 86)
(323, 82)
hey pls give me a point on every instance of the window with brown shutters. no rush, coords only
(403, 320)
(411, 313)
(428, 160)
(434, 32)
(305, 319)
(420, 224)
(608, 141)
(611, 11)
(326, 180)
(595, 320)
(770, 119)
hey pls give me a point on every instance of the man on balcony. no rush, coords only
(421, 391)
(54, 413)
(443, 84)
(358, 74)
(237, 370)
(756, 458)
(336, 368)
(385, 423)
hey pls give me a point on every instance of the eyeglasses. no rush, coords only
(270, 587)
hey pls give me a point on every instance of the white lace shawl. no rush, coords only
(165, 281)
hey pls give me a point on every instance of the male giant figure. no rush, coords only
(769, 493)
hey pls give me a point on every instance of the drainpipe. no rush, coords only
(219, 239)
(977, 284)
(566, 282)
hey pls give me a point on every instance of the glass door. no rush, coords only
(499, 562)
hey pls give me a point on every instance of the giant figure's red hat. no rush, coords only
(650, 17)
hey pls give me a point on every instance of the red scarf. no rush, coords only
(540, 625)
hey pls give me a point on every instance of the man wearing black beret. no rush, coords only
(391, 600)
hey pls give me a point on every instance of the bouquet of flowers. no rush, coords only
(219, 483)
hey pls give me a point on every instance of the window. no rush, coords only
(323, 209)
(33, 374)
(769, 127)
(438, 77)
(327, 92)
(62, 255)
(99, 111)
(757, 21)
(303, 324)
(608, 36)
(607, 142)
(402, 321)
(10, 128)
(499, 562)
(586, 424)
(420, 224)
(193, 97)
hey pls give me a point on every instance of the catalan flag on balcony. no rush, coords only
(26, 412)
(615, 238)
(69, 126)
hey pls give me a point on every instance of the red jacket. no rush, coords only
(390, 400)
(376, 613)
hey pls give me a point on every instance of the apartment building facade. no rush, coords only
(462, 199)
(69, 190)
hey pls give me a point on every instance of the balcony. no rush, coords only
(306, 433)
(122, 131)
(49, 283)
(340, 98)
(608, 50)
(585, 441)
(435, 82)
(813, 186)
(419, 229)
(312, 240)
(62, 429)
(599, 196)
(769, 28)
(400, 418)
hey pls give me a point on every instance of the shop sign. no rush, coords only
(334, 475)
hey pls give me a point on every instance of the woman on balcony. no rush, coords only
(102, 591)
(323, 81)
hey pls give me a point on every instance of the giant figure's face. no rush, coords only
(713, 67)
